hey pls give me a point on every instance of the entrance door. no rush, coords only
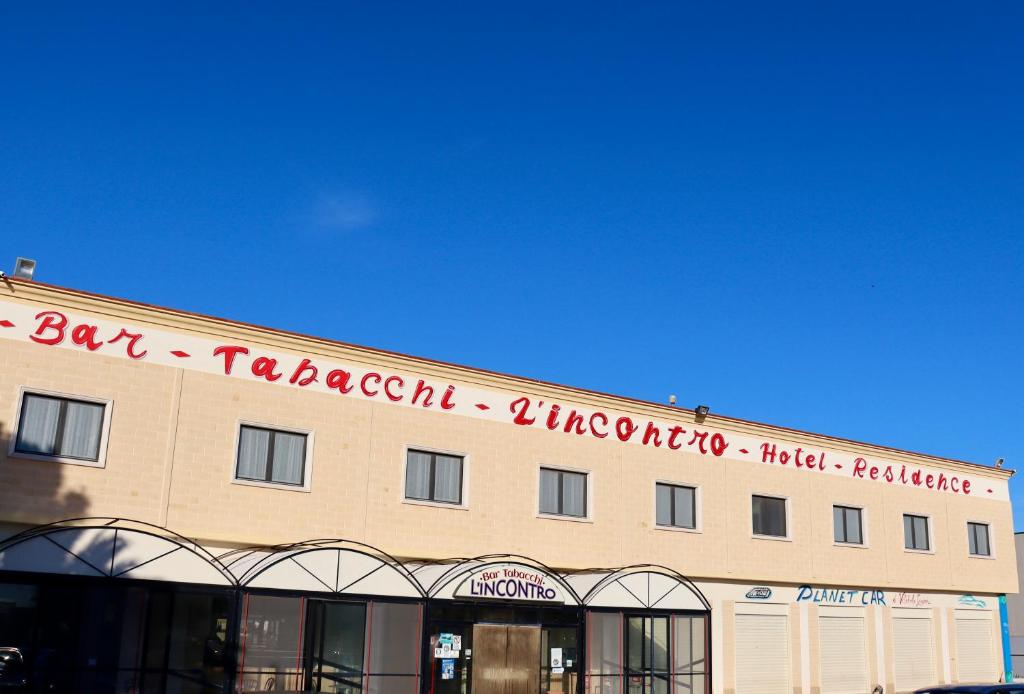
(506, 659)
(334, 647)
(647, 650)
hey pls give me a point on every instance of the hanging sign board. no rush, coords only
(510, 583)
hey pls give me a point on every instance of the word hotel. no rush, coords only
(193, 504)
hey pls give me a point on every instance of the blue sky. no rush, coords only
(805, 214)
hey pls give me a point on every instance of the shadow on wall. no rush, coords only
(31, 491)
(31, 495)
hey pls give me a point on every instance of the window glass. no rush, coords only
(915, 532)
(268, 455)
(198, 639)
(394, 647)
(663, 504)
(253, 448)
(659, 642)
(769, 516)
(289, 454)
(574, 493)
(270, 641)
(977, 535)
(433, 477)
(549, 495)
(846, 522)
(60, 427)
(604, 653)
(417, 475)
(335, 645)
(82, 425)
(555, 678)
(447, 479)
(675, 506)
(37, 429)
(688, 644)
(563, 493)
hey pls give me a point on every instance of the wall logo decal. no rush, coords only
(910, 600)
(971, 601)
(759, 593)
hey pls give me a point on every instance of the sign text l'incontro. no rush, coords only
(318, 373)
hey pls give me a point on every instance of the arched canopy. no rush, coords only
(504, 577)
(111, 548)
(645, 586)
(323, 566)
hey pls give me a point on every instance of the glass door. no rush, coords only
(647, 655)
(334, 647)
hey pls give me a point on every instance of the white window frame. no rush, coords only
(698, 507)
(463, 492)
(101, 451)
(931, 533)
(863, 526)
(789, 526)
(991, 545)
(307, 465)
(589, 497)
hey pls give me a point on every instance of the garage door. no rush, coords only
(913, 646)
(762, 654)
(975, 654)
(844, 655)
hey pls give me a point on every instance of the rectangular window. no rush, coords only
(846, 524)
(60, 427)
(915, 532)
(433, 477)
(977, 539)
(675, 506)
(563, 493)
(769, 516)
(269, 455)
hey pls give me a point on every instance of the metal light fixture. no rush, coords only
(24, 268)
(702, 410)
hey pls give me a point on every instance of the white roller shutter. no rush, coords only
(762, 654)
(844, 655)
(975, 656)
(913, 646)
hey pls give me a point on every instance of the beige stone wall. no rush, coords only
(172, 450)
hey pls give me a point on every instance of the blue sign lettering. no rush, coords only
(839, 596)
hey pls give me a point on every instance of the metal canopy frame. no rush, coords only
(113, 542)
(250, 564)
(597, 580)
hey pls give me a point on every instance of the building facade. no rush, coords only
(189, 504)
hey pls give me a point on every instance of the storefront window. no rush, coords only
(647, 655)
(393, 655)
(185, 638)
(270, 655)
(689, 654)
(106, 637)
(654, 654)
(559, 660)
(604, 653)
(335, 646)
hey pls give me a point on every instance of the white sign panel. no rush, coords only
(511, 583)
(49, 328)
